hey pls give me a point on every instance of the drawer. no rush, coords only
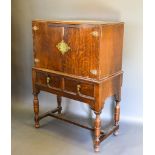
(78, 87)
(49, 80)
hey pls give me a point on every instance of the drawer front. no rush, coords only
(64, 85)
(49, 80)
(79, 88)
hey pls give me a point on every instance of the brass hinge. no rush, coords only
(93, 71)
(95, 33)
(36, 60)
(35, 28)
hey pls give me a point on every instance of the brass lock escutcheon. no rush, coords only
(63, 47)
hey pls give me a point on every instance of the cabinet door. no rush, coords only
(82, 58)
(45, 38)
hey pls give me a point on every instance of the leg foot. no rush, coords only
(59, 104)
(37, 125)
(97, 149)
(116, 133)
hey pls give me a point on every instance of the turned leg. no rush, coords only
(117, 112)
(59, 104)
(97, 127)
(36, 110)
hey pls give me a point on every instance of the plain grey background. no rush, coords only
(128, 11)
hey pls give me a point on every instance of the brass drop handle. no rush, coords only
(78, 88)
(48, 81)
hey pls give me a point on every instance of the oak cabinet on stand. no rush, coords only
(80, 60)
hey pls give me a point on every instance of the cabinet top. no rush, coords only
(78, 21)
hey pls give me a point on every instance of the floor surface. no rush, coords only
(56, 137)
